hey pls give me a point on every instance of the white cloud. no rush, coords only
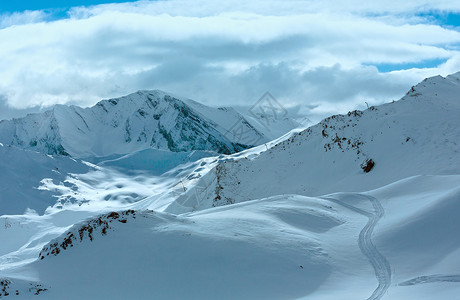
(19, 18)
(224, 53)
(202, 8)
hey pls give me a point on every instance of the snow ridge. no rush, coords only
(96, 226)
(357, 151)
(146, 119)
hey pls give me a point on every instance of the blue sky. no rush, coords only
(8, 6)
(319, 56)
(443, 18)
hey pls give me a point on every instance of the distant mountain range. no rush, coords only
(146, 119)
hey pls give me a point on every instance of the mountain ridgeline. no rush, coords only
(146, 119)
(358, 151)
(362, 205)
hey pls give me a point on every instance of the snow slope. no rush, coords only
(21, 173)
(269, 125)
(282, 247)
(419, 134)
(146, 119)
(156, 162)
(296, 218)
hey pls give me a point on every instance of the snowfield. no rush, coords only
(360, 206)
(20, 174)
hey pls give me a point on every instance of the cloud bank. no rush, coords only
(314, 53)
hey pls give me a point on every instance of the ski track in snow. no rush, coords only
(431, 279)
(380, 264)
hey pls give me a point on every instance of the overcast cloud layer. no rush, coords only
(317, 54)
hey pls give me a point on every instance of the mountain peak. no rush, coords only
(141, 120)
(352, 152)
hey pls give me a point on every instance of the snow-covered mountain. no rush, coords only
(355, 152)
(363, 205)
(146, 119)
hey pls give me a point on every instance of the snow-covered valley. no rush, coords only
(360, 206)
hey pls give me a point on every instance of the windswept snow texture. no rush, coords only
(146, 119)
(360, 206)
(282, 247)
(432, 278)
(379, 262)
(21, 174)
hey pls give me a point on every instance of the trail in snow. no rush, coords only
(380, 264)
(431, 279)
